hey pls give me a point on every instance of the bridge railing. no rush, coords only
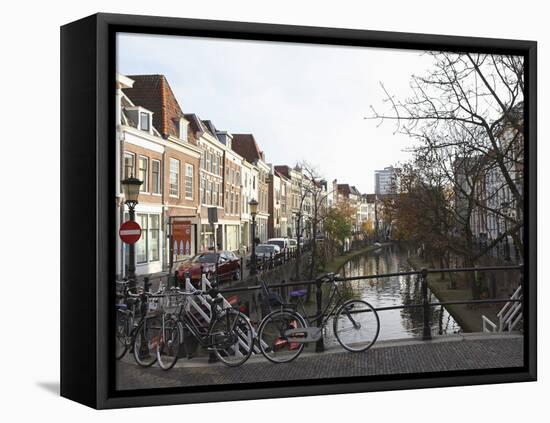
(422, 274)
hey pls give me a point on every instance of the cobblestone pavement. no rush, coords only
(465, 352)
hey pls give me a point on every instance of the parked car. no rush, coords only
(229, 266)
(266, 252)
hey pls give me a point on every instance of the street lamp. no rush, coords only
(130, 188)
(253, 212)
(505, 207)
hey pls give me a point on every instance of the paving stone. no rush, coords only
(393, 359)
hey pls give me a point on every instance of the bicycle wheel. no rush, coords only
(272, 340)
(122, 334)
(232, 338)
(356, 325)
(145, 342)
(168, 345)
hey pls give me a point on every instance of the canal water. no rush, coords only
(393, 291)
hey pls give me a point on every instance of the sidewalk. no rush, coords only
(466, 352)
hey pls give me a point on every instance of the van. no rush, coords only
(282, 243)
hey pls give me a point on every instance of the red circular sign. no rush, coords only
(130, 232)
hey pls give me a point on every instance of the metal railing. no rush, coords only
(422, 274)
(515, 302)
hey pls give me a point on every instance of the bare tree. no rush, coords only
(468, 111)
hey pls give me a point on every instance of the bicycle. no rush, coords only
(138, 337)
(356, 324)
(228, 334)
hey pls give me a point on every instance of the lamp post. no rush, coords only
(253, 212)
(130, 187)
(505, 207)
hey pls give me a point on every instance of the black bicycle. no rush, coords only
(284, 332)
(137, 323)
(228, 333)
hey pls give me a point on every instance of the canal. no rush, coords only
(392, 291)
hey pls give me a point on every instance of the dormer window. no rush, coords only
(183, 129)
(145, 121)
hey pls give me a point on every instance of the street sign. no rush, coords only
(130, 232)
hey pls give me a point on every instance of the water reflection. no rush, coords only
(393, 291)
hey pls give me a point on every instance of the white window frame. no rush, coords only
(145, 182)
(147, 120)
(173, 160)
(156, 189)
(133, 173)
(189, 179)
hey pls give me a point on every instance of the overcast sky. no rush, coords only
(301, 101)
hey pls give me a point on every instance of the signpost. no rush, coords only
(130, 232)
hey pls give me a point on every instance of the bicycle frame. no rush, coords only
(334, 293)
(204, 339)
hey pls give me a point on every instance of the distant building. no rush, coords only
(246, 146)
(385, 181)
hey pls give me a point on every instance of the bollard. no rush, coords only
(427, 330)
(320, 345)
(271, 261)
(242, 269)
(216, 270)
(146, 284)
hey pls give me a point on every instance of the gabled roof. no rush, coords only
(155, 94)
(354, 190)
(198, 127)
(343, 189)
(246, 146)
(283, 170)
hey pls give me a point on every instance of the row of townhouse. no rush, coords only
(189, 169)
(495, 211)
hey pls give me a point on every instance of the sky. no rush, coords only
(302, 102)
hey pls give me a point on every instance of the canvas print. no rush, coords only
(292, 212)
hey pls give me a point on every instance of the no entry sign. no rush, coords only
(130, 232)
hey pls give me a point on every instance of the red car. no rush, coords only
(229, 266)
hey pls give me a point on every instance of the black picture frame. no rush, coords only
(87, 215)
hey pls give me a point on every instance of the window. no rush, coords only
(144, 121)
(155, 176)
(207, 161)
(174, 177)
(189, 181)
(227, 201)
(215, 195)
(143, 169)
(238, 179)
(141, 245)
(129, 165)
(203, 190)
(209, 193)
(154, 239)
(183, 129)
